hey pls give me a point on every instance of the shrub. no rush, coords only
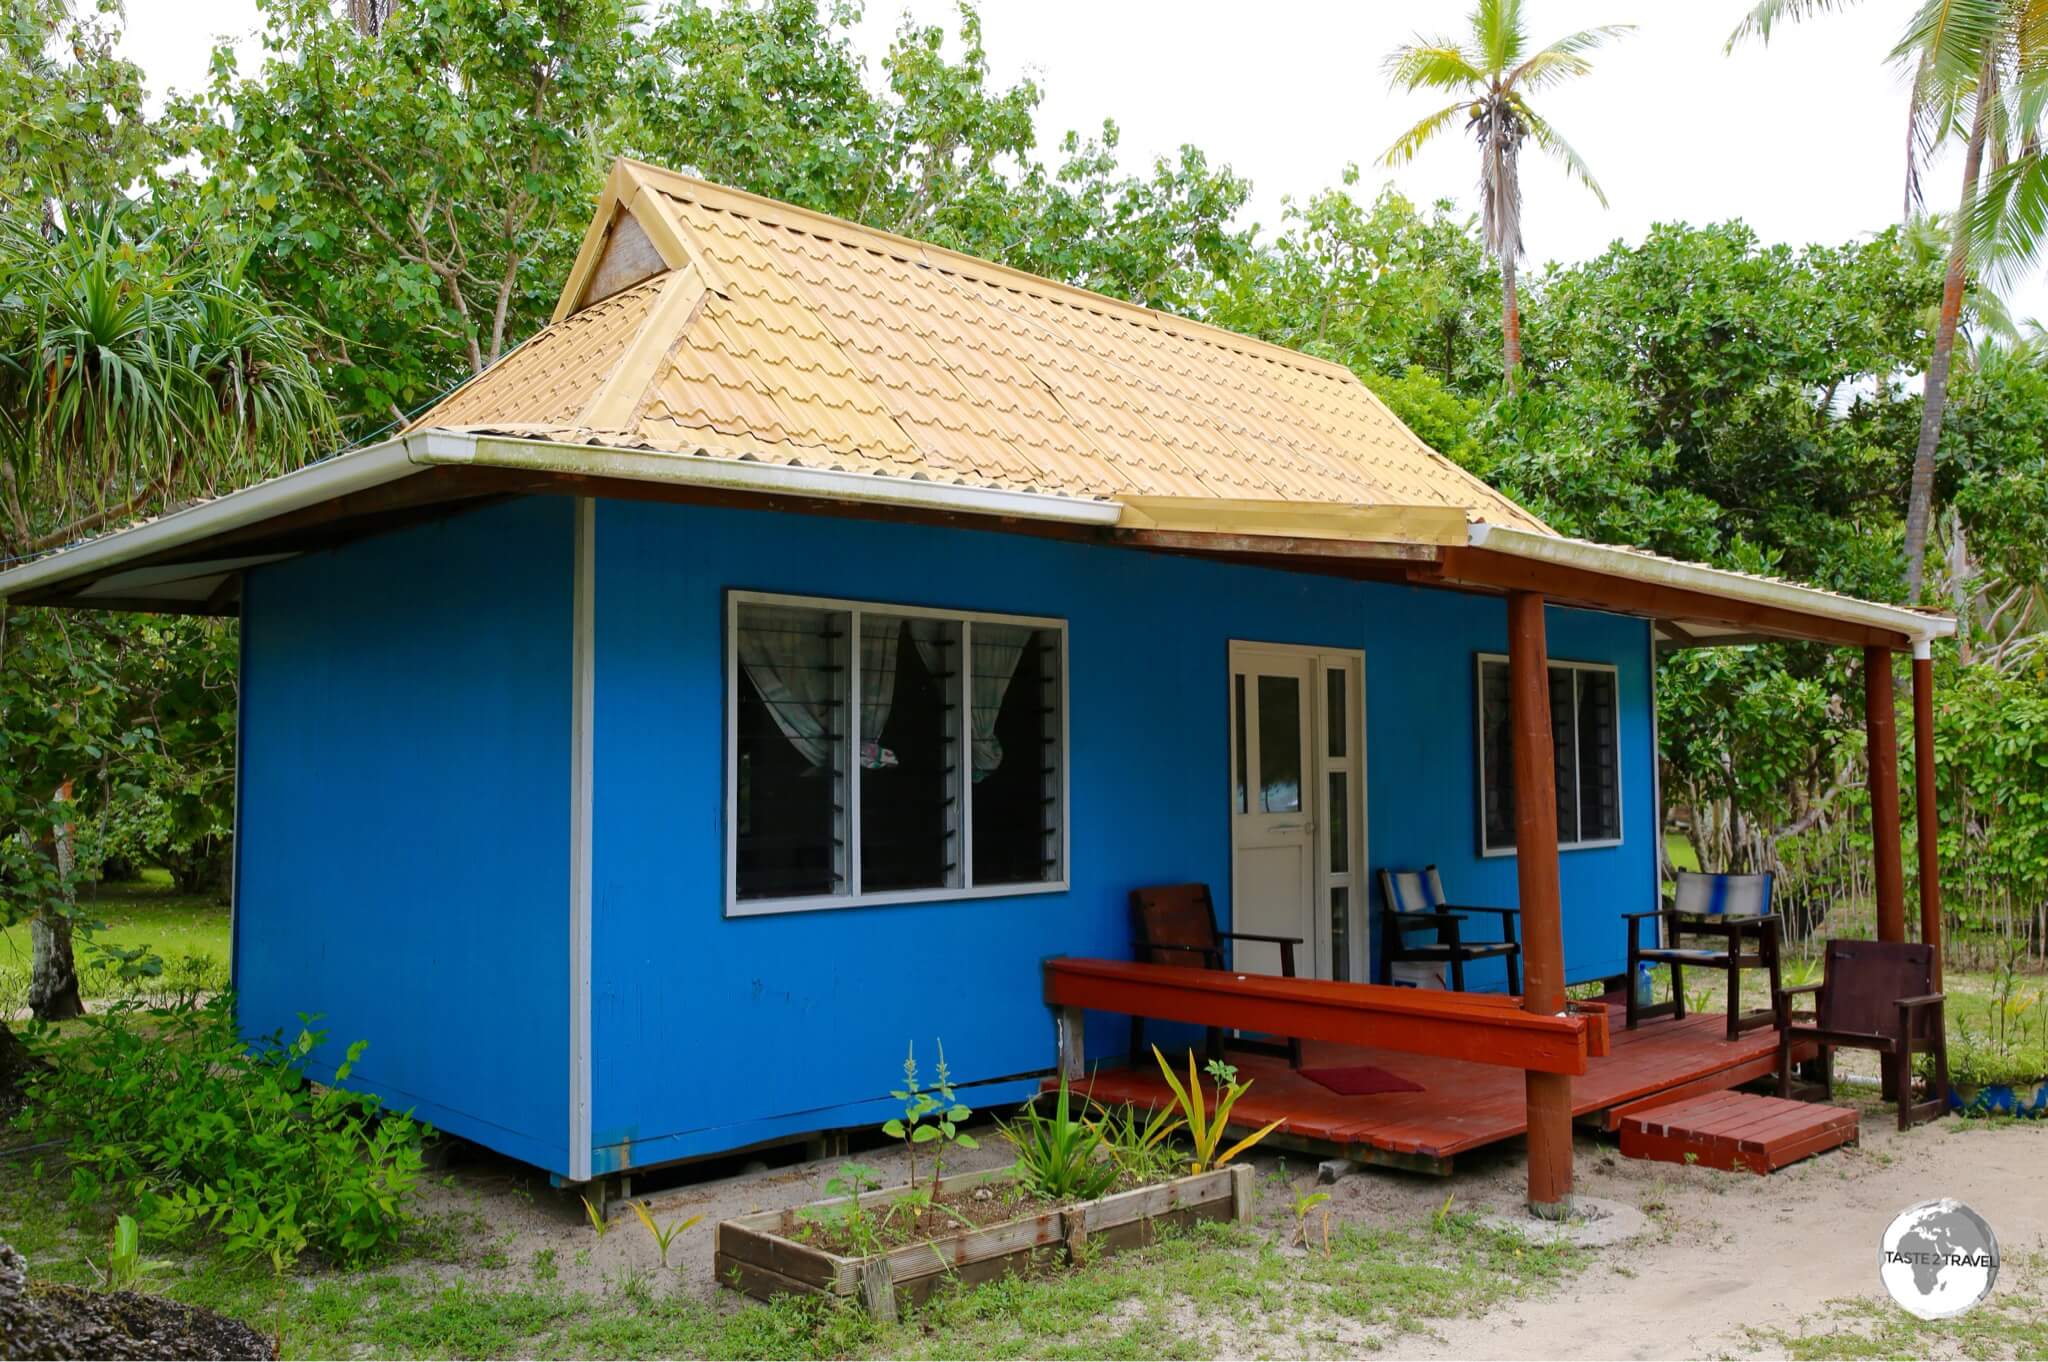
(169, 1110)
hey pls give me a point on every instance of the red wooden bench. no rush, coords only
(1484, 1028)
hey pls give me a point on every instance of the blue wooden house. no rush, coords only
(773, 660)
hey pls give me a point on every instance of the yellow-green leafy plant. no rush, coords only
(597, 1222)
(1305, 1202)
(1138, 1145)
(1205, 1128)
(662, 1236)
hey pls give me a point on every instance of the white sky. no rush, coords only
(1804, 138)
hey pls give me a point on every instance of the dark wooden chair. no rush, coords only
(1872, 995)
(1420, 926)
(1732, 911)
(1175, 924)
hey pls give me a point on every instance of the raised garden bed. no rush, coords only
(766, 1254)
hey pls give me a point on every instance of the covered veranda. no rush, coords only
(1463, 1096)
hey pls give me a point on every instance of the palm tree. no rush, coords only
(1975, 66)
(136, 371)
(1493, 71)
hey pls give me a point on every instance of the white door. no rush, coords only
(1295, 810)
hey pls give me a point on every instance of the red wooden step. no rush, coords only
(1732, 1130)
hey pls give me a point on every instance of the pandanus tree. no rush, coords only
(1976, 79)
(1494, 71)
(139, 368)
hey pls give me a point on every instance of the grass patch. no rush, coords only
(1215, 1289)
(189, 931)
(2012, 1322)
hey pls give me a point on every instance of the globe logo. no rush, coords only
(1938, 1258)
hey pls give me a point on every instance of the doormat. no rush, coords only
(1360, 1080)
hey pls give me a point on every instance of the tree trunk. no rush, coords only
(53, 977)
(53, 972)
(1934, 400)
(1510, 321)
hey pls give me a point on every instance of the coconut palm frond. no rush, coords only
(1552, 142)
(1497, 30)
(1439, 65)
(2008, 225)
(1759, 22)
(1950, 39)
(1565, 58)
(1412, 141)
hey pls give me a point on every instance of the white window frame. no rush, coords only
(735, 906)
(1479, 662)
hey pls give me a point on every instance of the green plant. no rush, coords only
(663, 1236)
(544, 1266)
(598, 1223)
(1137, 1145)
(852, 1219)
(126, 1267)
(930, 1116)
(1060, 1157)
(1303, 1203)
(208, 1133)
(1204, 1128)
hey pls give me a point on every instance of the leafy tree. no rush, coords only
(1492, 73)
(418, 189)
(73, 127)
(1976, 64)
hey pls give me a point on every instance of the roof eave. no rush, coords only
(1918, 627)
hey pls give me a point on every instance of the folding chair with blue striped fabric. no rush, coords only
(1731, 910)
(1420, 925)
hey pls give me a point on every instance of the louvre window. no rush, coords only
(1585, 748)
(881, 753)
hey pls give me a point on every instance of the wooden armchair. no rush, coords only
(1421, 926)
(1873, 995)
(1732, 911)
(1175, 924)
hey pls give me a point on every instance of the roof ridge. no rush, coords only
(710, 193)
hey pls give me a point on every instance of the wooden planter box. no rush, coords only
(758, 1254)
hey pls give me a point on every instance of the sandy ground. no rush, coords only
(1728, 1250)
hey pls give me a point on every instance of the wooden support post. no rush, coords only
(1548, 1095)
(1927, 811)
(1881, 729)
(1069, 1024)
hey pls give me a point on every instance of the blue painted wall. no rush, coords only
(404, 850)
(711, 1033)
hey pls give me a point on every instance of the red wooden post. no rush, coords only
(1548, 1096)
(1929, 815)
(1881, 730)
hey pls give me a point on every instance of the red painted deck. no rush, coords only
(1731, 1130)
(1463, 1105)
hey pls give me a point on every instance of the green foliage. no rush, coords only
(126, 1268)
(1303, 1204)
(1206, 1127)
(1060, 1156)
(930, 1116)
(210, 1136)
(421, 191)
(1139, 1145)
(663, 1235)
(599, 1225)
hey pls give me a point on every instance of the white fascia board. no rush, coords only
(749, 475)
(401, 457)
(355, 471)
(1736, 586)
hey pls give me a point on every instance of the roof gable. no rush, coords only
(703, 321)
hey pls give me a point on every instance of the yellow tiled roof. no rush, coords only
(756, 330)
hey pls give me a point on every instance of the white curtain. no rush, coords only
(788, 655)
(878, 635)
(998, 648)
